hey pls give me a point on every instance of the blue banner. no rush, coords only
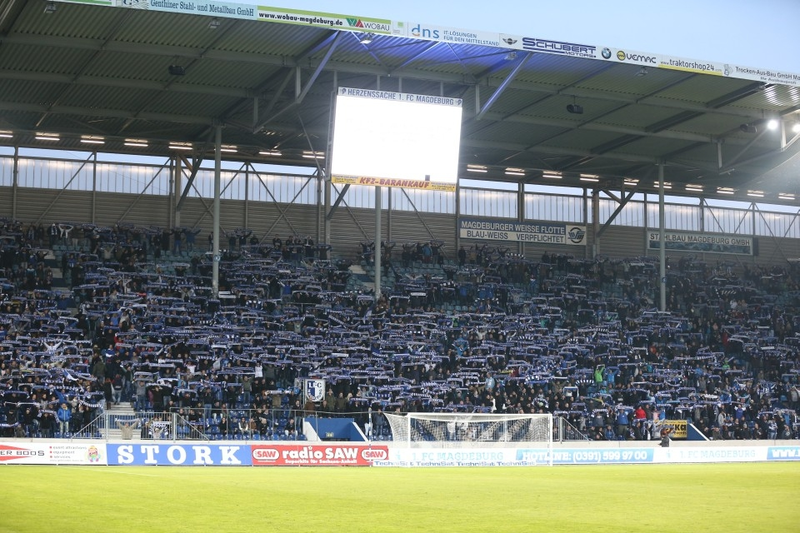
(586, 456)
(783, 453)
(179, 454)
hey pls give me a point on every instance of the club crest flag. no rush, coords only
(315, 389)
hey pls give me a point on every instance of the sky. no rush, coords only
(752, 33)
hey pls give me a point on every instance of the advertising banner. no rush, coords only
(318, 455)
(430, 32)
(701, 242)
(692, 65)
(652, 454)
(393, 182)
(764, 75)
(280, 15)
(617, 55)
(783, 453)
(324, 20)
(679, 428)
(533, 232)
(733, 454)
(586, 456)
(451, 457)
(157, 454)
(562, 48)
(48, 453)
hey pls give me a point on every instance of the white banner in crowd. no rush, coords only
(532, 232)
(680, 241)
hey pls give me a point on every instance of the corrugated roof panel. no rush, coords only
(125, 66)
(515, 133)
(558, 71)
(408, 53)
(555, 108)
(635, 116)
(90, 97)
(166, 29)
(190, 104)
(655, 147)
(24, 91)
(226, 74)
(633, 81)
(581, 140)
(69, 20)
(709, 124)
(271, 39)
(772, 98)
(701, 90)
(46, 59)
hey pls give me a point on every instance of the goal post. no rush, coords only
(460, 430)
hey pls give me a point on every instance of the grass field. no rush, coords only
(621, 498)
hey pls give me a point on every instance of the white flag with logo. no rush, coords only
(315, 390)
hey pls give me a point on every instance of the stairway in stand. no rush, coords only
(122, 412)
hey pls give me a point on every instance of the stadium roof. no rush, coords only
(140, 80)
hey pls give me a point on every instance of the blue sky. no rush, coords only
(753, 33)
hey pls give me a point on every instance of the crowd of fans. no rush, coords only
(133, 319)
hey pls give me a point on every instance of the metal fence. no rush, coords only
(199, 424)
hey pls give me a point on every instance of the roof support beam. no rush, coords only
(621, 205)
(194, 166)
(309, 84)
(503, 86)
(339, 199)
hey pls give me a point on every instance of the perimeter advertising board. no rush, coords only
(652, 454)
(318, 455)
(531, 232)
(48, 453)
(158, 454)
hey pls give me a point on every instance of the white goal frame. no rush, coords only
(475, 431)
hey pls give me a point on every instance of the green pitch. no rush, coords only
(726, 498)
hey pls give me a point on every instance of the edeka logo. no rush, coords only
(425, 33)
(9, 453)
(576, 235)
(622, 56)
(369, 454)
(559, 47)
(368, 25)
(266, 454)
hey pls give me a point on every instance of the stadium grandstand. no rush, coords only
(621, 248)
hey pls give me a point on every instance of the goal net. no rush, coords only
(456, 430)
